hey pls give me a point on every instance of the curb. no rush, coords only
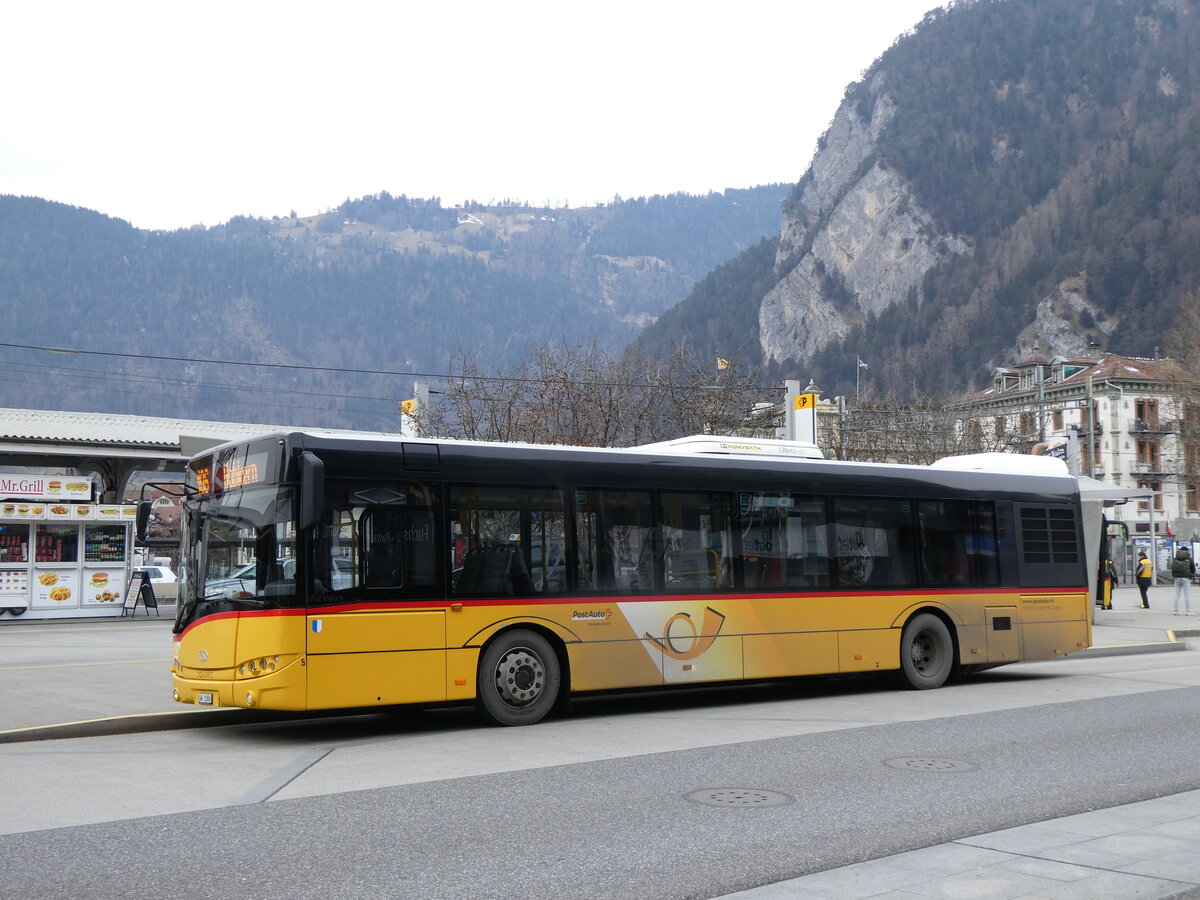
(141, 723)
(130, 724)
(1128, 650)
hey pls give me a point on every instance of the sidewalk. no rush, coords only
(1127, 628)
(1146, 850)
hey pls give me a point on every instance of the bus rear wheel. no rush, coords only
(926, 653)
(519, 678)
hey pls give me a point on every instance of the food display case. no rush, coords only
(61, 554)
(105, 557)
(14, 567)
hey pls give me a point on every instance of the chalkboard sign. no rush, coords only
(136, 580)
(140, 586)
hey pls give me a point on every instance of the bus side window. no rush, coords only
(873, 541)
(507, 541)
(784, 540)
(946, 531)
(615, 541)
(397, 540)
(697, 541)
(383, 528)
(985, 546)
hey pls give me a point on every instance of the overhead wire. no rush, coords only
(442, 376)
(203, 399)
(183, 382)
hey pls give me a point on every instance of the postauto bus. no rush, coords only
(402, 571)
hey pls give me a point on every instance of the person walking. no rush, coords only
(1183, 570)
(1144, 573)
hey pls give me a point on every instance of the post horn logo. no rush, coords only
(685, 642)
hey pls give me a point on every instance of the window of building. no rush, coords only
(1026, 423)
(1191, 458)
(974, 435)
(1193, 496)
(1155, 486)
(1148, 455)
(1000, 426)
(1057, 420)
(1146, 410)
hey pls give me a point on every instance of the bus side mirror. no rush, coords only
(312, 490)
(143, 520)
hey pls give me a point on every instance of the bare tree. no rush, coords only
(579, 394)
(888, 430)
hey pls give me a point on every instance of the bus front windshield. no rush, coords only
(239, 552)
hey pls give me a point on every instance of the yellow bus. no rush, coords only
(324, 571)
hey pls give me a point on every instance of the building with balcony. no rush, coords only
(1127, 421)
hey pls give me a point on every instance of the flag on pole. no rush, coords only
(722, 364)
(861, 364)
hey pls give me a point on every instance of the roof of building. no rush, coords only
(1108, 366)
(108, 428)
(27, 429)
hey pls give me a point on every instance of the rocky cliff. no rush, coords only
(1010, 174)
(854, 241)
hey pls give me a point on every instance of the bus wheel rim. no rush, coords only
(925, 652)
(520, 677)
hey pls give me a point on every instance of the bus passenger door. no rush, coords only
(392, 651)
(1003, 643)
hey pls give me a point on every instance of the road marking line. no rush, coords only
(118, 662)
(280, 779)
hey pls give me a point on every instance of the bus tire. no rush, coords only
(519, 678)
(18, 610)
(926, 653)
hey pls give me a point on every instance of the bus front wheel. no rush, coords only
(926, 653)
(519, 678)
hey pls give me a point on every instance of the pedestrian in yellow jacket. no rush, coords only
(1144, 574)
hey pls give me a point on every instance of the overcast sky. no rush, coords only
(174, 113)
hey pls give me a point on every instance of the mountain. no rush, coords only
(381, 283)
(1009, 174)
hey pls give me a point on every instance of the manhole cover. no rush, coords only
(929, 764)
(741, 797)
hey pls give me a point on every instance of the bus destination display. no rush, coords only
(231, 474)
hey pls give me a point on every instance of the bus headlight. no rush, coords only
(262, 665)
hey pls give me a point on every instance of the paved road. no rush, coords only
(666, 795)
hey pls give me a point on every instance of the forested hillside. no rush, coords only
(381, 283)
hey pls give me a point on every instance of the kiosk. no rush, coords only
(61, 554)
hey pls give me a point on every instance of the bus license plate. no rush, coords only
(204, 698)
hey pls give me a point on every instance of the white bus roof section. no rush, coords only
(1013, 463)
(732, 446)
